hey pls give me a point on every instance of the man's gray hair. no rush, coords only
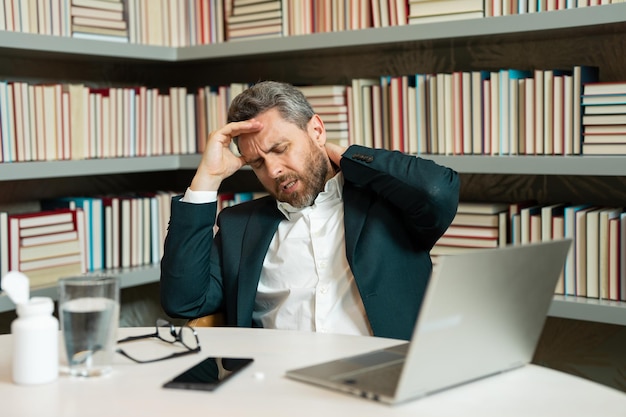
(265, 95)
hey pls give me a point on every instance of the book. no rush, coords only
(100, 4)
(310, 91)
(448, 17)
(444, 7)
(100, 36)
(50, 237)
(111, 210)
(100, 23)
(604, 148)
(49, 229)
(604, 239)
(43, 277)
(468, 242)
(569, 270)
(622, 256)
(96, 13)
(605, 109)
(472, 231)
(256, 8)
(607, 138)
(476, 108)
(603, 99)
(441, 250)
(615, 259)
(471, 219)
(4, 244)
(604, 119)
(526, 225)
(592, 88)
(547, 215)
(604, 129)
(50, 250)
(481, 207)
(558, 232)
(580, 254)
(44, 218)
(272, 14)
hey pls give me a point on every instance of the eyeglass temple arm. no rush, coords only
(131, 338)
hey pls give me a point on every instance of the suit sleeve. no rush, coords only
(427, 194)
(191, 282)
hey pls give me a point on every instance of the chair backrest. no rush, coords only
(212, 320)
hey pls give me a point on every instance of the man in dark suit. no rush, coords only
(341, 244)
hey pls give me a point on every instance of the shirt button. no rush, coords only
(322, 264)
(324, 290)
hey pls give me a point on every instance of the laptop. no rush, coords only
(482, 314)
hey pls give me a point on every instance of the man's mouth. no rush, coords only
(289, 185)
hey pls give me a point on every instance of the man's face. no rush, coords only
(292, 164)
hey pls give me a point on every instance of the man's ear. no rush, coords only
(316, 130)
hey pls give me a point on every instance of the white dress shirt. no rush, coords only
(306, 283)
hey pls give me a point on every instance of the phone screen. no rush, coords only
(208, 374)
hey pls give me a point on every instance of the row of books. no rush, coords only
(177, 22)
(428, 11)
(509, 7)
(505, 112)
(77, 18)
(596, 264)
(73, 235)
(198, 22)
(75, 121)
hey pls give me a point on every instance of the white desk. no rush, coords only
(135, 390)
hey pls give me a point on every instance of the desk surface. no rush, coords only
(135, 389)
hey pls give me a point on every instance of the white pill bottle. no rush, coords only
(35, 342)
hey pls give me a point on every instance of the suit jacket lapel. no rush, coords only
(355, 203)
(258, 234)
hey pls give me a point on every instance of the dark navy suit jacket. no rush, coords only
(396, 206)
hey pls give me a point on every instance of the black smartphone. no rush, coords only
(208, 374)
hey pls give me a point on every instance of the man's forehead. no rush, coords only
(253, 144)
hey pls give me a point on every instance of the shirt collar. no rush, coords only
(332, 191)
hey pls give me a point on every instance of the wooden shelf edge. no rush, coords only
(589, 309)
(611, 165)
(502, 25)
(130, 277)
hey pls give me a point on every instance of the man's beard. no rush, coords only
(312, 181)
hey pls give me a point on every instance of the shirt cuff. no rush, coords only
(199, 197)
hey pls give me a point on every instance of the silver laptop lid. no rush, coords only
(483, 313)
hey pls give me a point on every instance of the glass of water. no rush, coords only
(89, 313)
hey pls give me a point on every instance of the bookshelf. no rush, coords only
(589, 36)
(537, 25)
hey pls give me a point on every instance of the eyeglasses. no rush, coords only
(166, 332)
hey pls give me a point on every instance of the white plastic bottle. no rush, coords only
(35, 342)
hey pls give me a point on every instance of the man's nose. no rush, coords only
(274, 167)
